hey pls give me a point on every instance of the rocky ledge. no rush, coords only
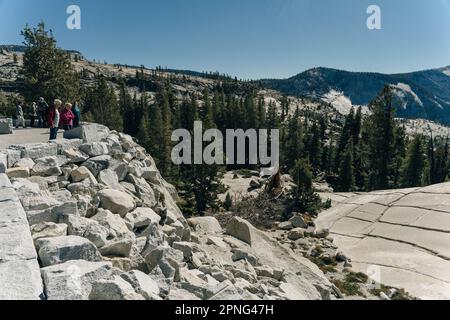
(96, 220)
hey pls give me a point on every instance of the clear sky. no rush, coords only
(247, 38)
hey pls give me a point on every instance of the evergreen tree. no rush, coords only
(293, 141)
(399, 155)
(442, 158)
(47, 70)
(305, 200)
(127, 106)
(347, 133)
(143, 133)
(381, 125)
(413, 169)
(315, 147)
(101, 102)
(156, 135)
(228, 203)
(346, 170)
(261, 114)
(284, 108)
(166, 143)
(202, 182)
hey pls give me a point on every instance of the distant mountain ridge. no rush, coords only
(418, 95)
(421, 94)
(21, 49)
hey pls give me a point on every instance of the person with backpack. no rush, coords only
(53, 119)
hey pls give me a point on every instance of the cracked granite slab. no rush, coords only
(398, 237)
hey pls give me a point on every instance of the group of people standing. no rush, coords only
(57, 116)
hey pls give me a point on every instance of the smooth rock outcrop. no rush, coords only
(400, 237)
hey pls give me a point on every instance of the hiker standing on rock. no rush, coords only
(67, 117)
(42, 111)
(53, 119)
(33, 114)
(19, 116)
(77, 113)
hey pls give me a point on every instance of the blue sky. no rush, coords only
(247, 38)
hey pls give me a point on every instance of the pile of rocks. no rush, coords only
(105, 225)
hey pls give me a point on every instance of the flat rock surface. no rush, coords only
(20, 136)
(398, 237)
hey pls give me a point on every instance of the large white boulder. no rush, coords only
(142, 217)
(73, 280)
(114, 289)
(18, 172)
(116, 201)
(58, 250)
(240, 229)
(208, 225)
(36, 150)
(142, 284)
(82, 173)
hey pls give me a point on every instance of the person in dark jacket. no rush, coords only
(42, 112)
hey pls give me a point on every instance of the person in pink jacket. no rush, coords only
(66, 117)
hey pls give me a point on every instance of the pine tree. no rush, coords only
(127, 106)
(47, 70)
(305, 200)
(156, 135)
(381, 134)
(143, 133)
(261, 114)
(347, 133)
(399, 155)
(166, 144)
(442, 158)
(101, 102)
(293, 141)
(315, 148)
(228, 203)
(346, 170)
(202, 182)
(413, 168)
(284, 108)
